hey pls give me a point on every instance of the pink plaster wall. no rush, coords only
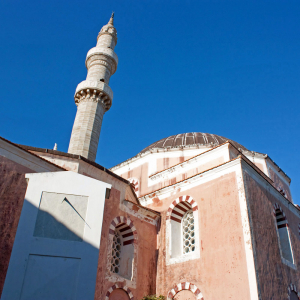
(144, 261)
(221, 271)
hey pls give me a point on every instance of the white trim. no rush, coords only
(249, 246)
(191, 182)
(191, 164)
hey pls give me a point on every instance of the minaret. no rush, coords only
(93, 96)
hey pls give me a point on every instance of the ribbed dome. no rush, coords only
(191, 138)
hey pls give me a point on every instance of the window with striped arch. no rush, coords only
(283, 235)
(122, 251)
(182, 230)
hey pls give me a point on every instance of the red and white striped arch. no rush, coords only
(180, 206)
(125, 227)
(185, 286)
(117, 286)
(280, 216)
(293, 288)
(135, 184)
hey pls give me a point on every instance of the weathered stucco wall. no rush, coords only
(221, 270)
(274, 276)
(144, 271)
(12, 191)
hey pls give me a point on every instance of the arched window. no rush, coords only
(182, 229)
(122, 249)
(283, 234)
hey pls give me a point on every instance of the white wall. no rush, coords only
(48, 261)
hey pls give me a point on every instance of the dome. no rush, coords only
(190, 139)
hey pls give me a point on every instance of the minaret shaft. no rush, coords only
(93, 96)
(86, 129)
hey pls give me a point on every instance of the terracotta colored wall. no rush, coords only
(274, 276)
(12, 191)
(221, 270)
(146, 254)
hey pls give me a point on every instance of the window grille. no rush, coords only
(116, 252)
(188, 232)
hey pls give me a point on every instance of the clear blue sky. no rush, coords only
(230, 68)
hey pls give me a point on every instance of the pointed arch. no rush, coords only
(185, 286)
(125, 227)
(179, 203)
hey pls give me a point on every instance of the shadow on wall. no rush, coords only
(50, 260)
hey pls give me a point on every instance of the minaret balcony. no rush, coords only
(106, 52)
(94, 91)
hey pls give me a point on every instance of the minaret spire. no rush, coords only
(93, 96)
(111, 20)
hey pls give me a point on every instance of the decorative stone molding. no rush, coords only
(105, 54)
(185, 286)
(293, 288)
(95, 85)
(94, 96)
(118, 286)
(188, 199)
(105, 51)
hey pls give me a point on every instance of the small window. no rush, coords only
(102, 80)
(283, 234)
(182, 230)
(122, 251)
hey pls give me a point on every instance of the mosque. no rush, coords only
(192, 216)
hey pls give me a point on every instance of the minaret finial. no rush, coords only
(111, 20)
